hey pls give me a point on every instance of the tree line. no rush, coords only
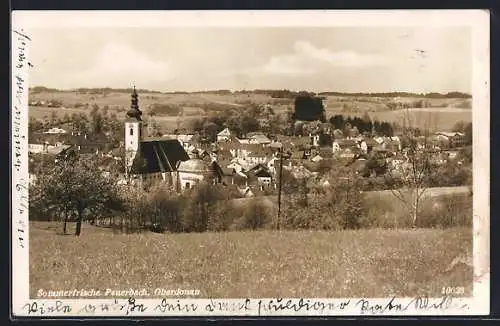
(363, 125)
(432, 95)
(275, 93)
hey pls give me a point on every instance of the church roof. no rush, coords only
(195, 165)
(159, 156)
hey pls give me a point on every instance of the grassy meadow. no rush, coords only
(360, 263)
(441, 114)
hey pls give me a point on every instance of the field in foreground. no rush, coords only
(362, 263)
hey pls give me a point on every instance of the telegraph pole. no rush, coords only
(279, 187)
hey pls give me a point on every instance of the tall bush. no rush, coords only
(255, 216)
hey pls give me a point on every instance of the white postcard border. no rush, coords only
(21, 21)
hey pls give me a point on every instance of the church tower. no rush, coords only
(133, 130)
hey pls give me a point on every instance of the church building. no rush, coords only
(161, 159)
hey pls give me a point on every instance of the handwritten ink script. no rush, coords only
(21, 188)
(19, 124)
(20, 66)
(248, 307)
(417, 304)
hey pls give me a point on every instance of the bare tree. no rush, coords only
(410, 178)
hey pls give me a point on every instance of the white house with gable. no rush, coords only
(224, 135)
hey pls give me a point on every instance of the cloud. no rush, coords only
(287, 65)
(345, 58)
(307, 59)
(118, 64)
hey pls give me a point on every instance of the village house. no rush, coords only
(389, 144)
(326, 128)
(224, 135)
(227, 175)
(257, 157)
(314, 140)
(363, 147)
(273, 164)
(46, 148)
(184, 139)
(245, 141)
(236, 165)
(258, 138)
(338, 134)
(450, 154)
(252, 153)
(317, 158)
(55, 131)
(53, 143)
(450, 139)
(261, 174)
(196, 170)
(299, 171)
(246, 192)
(345, 148)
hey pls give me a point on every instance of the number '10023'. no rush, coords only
(457, 290)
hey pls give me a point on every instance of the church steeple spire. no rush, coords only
(134, 111)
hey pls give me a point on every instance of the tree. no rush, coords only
(298, 129)
(386, 129)
(309, 108)
(66, 117)
(277, 125)
(367, 121)
(354, 132)
(347, 129)
(376, 126)
(375, 165)
(290, 121)
(201, 205)
(337, 121)
(468, 134)
(339, 206)
(256, 215)
(77, 186)
(53, 118)
(414, 174)
(210, 130)
(96, 120)
(34, 124)
(248, 124)
(459, 126)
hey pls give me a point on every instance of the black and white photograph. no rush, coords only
(259, 163)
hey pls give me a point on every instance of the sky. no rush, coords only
(175, 58)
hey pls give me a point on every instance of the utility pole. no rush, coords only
(279, 187)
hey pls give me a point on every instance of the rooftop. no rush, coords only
(160, 156)
(195, 165)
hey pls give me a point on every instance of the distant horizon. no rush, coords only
(138, 88)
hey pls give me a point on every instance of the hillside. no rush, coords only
(441, 112)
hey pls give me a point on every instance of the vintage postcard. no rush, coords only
(251, 163)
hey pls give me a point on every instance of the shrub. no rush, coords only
(165, 210)
(223, 217)
(435, 212)
(255, 216)
(341, 207)
(445, 212)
